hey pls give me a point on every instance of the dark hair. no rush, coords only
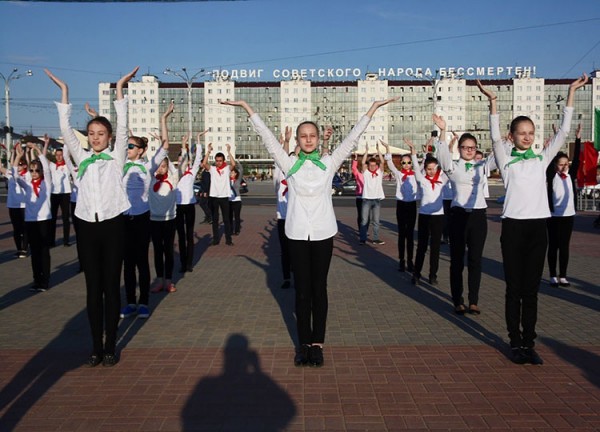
(38, 166)
(221, 155)
(58, 149)
(465, 137)
(103, 121)
(141, 142)
(517, 120)
(372, 159)
(479, 152)
(310, 123)
(558, 157)
(429, 160)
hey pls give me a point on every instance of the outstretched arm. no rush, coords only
(231, 158)
(120, 150)
(381, 160)
(363, 162)
(164, 130)
(205, 163)
(378, 104)
(441, 124)
(91, 111)
(326, 136)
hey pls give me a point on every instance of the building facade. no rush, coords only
(341, 103)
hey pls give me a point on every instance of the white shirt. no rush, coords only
(136, 184)
(310, 213)
(281, 190)
(219, 182)
(163, 203)
(525, 181)
(37, 208)
(469, 184)
(406, 190)
(101, 193)
(373, 184)
(185, 187)
(234, 185)
(16, 195)
(432, 198)
(73, 174)
(61, 182)
(563, 196)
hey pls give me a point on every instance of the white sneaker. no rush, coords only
(563, 282)
(553, 281)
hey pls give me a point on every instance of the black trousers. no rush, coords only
(163, 239)
(524, 245)
(186, 219)
(17, 219)
(284, 243)
(446, 229)
(430, 231)
(75, 220)
(468, 230)
(310, 261)
(406, 216)
(39, 240)
(137, 244)
(223, 204)
(63, 201)
(205, 205)
(559, 238)
(101, 254)
(235, 211)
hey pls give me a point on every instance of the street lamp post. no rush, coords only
(183, 74)
(12, 76)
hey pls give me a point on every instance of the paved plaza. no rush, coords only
(217, 354)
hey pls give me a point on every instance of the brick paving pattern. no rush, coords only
(217, 354)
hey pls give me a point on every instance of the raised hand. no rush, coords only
(61, 84)
(410, 145)
(91, 111)
(378, 104)
(439, 121)
(327, 134)
(288, 134)
(578, 132)
(124, 80)
(169, 110)
(487, 92)
(575, 85)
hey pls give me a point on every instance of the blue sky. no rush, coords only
(90, 43)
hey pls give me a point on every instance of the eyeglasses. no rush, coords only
(407, 163)
(132, 146)
(34, 170)
(468, 148)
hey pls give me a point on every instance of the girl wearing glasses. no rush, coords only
(136, 179)
(15, 202)
(163, 210)
(406, 208)
(310, 223)
(468, 219)
(101, 201)
(37, 187)
(524, 219)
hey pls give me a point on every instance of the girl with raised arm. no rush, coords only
(524, 220)
(37, 187)
(136, 178)
(15, 201)
(101, 201)
(310, 222)
(163, 210)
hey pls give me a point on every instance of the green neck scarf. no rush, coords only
(131, 164)
(303, 157)
(87, 162)
(529, 154)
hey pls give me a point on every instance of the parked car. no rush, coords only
(336, 184)
(348, 187)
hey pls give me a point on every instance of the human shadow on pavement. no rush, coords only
(242, 398)
(585, 360)
(56, 359)
(571, 295)
(385, 267)
(285, 298)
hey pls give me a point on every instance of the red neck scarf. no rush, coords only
(562, 175)
(23, 172)
(36, 186)
(407, 172)
(188, 171)
(284, 182)
(160, 179)
(61, 163)
(374, 173)
(221, 168)
(435, 179)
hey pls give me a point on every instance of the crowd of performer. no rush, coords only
(120, 199)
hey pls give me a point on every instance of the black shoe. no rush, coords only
(190, 269)
(409, 267)
(34, 286)
(215, 242)
(94, 360)
(286, 284)
(67, 244)
(460, 309)
(315, 356)
(433, 280)
(229, 243)
(401, 266)
(518, 356)
(301, 357)
(110, 360)
(362, 242)
(415, 279)
(532, 356)
(182, 269)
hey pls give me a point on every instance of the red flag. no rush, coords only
(586, 176)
